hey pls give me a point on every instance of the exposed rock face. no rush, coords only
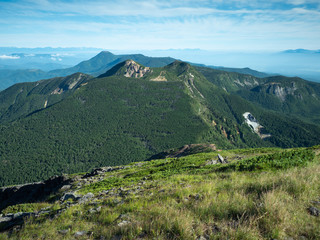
(160, 78)
(129, 69)
(32, 192)
(70, 82)
(254, 125)
(278, 90)
(133, 69)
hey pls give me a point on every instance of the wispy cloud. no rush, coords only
(237, 24)
(6, 57)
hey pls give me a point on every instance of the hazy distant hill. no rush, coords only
(246, 70)
(94, 66)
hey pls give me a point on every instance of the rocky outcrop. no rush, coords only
(255, 125)
(133, 69)
(32, 192)
(278, 90)
(129, 69)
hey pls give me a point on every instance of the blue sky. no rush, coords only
(221, 25)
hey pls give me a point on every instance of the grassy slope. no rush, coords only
(185, 198)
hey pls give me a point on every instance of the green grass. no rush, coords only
(26, 207)
(184, 198)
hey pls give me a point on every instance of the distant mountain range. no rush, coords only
(133, 111)
(300, 50)
(94, 66)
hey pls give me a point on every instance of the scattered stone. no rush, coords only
(86, 198)
(5, 219)
(123, 223)
(220, 159)
(94, 210)
(104, 192)
(65, 187)
(212, 162)
(10, 220)
(68, 196)
(314, 211)
(316, 202)
(80, 233)
(195, 196)
(64, 231)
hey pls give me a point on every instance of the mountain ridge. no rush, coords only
(116, 120)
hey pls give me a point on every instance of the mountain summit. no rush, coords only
(128, 68)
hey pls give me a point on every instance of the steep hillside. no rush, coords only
(263, 194)
(24, 98)
(288, 95)
(246, 70)
(131, 114)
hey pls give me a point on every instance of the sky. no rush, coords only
(219, 25)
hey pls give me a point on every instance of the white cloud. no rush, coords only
(143, 24)
(9, 57)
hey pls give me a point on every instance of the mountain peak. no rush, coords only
(179, 66)
(128, 68)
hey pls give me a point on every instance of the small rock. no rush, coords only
(94, 210)
(123, 216)
(80, 233)
(6, 219)
(65, 187)
(86, 198)
(123, 223)
(314, 211)
(220, 158)
(212, 162)
(316, 202)
(68, 196)
(64, 231)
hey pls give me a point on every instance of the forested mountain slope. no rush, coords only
(131, 114)
(289, 95)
